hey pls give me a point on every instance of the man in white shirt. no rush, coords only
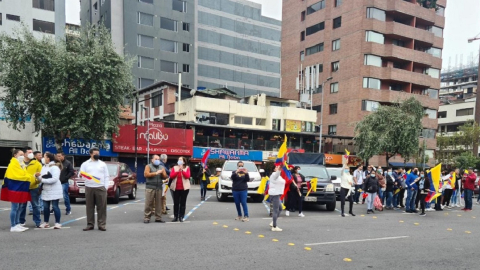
(96, 176)
(358, 181)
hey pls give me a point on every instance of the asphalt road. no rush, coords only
(210, 238)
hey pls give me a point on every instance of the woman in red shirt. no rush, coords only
(180, 185)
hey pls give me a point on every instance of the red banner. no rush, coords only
(170, 141)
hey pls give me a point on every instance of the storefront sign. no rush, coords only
(170, 141)
(228, 154)
(332, 159)
(293, 125)
(79, 147)
(272, 155)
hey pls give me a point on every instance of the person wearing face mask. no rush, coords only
(180, 184)
(52, 189)
(390, 181)
(423, 190)
(412, 187)
(295, 193)
(32, 166)
(95, 189)
(276, 189)
(155, 176)
(16, 188)
(371, 187)
(447, 189)
(381, 184)
(203, 178)
(240, 178)
(347, 190)
(66, 173)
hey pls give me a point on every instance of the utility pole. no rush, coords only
(477, 102)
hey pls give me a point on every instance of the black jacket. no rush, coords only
(239, 181)
(200, 174)
(390, 182)
(66, 172)
(370, 185)
(426, 186)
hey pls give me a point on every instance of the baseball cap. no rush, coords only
(218, 170)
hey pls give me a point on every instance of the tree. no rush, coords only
(428, 3)
(451, 146)
(465, 160)
(469, 135)
(390, 130)
(68, 88)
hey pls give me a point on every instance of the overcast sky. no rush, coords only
(462, 23)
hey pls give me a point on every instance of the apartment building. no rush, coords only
(376, 51)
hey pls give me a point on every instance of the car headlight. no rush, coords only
(71, 182)
(330, 188)
(111, 183)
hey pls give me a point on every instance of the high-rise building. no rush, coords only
(213, 43)
(376, 51)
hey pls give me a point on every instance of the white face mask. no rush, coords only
(180, 162)
(43, 160)
(30, 156)
(298, 171)
(20, 158)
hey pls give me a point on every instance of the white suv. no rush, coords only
(224, 185)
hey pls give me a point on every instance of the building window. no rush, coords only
(338, 3)
(314, 49)
(145, 19)
(429, 133)
(370, 106)
(334, 87)
(168, 45)
(168, 24)
(317, 108)
(168, 66)
(332, 130)
(316, 7)
(371, 83)
(337, 22)
(433, 72)
(42, 26)
(146, 62)
(302, 55)
(375, 13)
(336, 45)
(146, 1)
(440, 10)
(434, 51)
(145, 41)
(180, 6)
(276, 124)
(335, 66)
(333, 108)
(432, 93)
(186, 68)
(320, 69)
(442, 114)
(1, 16)
(13, 17)
(432, 114)
(398, 42)
(464, 112)
(302, 36)
(157, 99)
(186, 47)
(372, 60)
(315, 28)
(437, 31)
(260, 121)
(44, 4)
(395, 87)
(302, 16)
(186, 27)
(372, 36)
(243, 120)
(143, 82)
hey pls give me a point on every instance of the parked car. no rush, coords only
(337, 172)
(224, 185)
(123, 182)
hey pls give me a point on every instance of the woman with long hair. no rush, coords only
(295, 193)
(276, 189)
(180, 177)
(52, 189)
(240, 178)
(371, 187)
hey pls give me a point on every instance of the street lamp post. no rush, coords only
(148, 131)
(424, 150)
(321, 115)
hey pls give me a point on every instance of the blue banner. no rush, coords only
(228, 154)
(80, 147)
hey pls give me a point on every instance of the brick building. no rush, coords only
(376, 51)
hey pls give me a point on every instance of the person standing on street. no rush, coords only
(346, 190)
(424, 189)
(65, 175)
(96, 176)
(381, 184)
(371, 187)
(52, 189)
(163, 162)
(295, 193)
(398, 186)
(16, 188)
(32, 166)
(203, 178)
(358, 181)
(389, 189)
(412, 187)
(180, 177)
(155, 175)
(447, 190)
(240, 178)
(469, 186)
(275, 190)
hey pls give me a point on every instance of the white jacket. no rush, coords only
(52, 188)
(277, 184)
(347, 180)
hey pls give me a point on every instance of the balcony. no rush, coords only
(393, 51)
(399, 75)
(400, 30)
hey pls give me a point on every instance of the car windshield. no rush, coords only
(112, 169)
(335, 171)
(315, 171)
(232, 166)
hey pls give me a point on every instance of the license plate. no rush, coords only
(310, 199)
(81, 190)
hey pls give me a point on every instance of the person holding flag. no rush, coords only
(423, 189)
(448, 182)
(275, 191)
(203, 175)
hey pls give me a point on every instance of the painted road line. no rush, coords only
(267, 206)
(195, 208)
(338, 210)
(361, 240)
(51, 228)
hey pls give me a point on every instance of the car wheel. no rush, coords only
(116, 199)
(133, 194)
(220, 196)
(331, 206)
(73, 200)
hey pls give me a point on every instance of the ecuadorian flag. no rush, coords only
(16, 185)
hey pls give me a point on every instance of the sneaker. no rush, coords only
(21, 224)
(276, 229)
(17, 229)
(301, 215)
(238, 218)
(44, 225)
(442, 206)
(287, 213)
(477, 202)
(449, 207)
(245, 219)
(68, 213)
(422, 214)
(57, 226)
(271, 224)
(468, 210)
(429, 209)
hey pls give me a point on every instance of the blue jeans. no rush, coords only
(356, 197)
(35, 208)
(410, 203)
(203, 188)
(370, 199)
(380, 194)
(240, 197)
(66, 198)
(468, 198)
(56, 211)
(15, 214)
(40, 204)
(389, 196)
